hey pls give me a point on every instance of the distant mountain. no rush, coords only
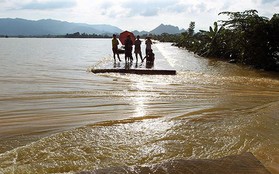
(23, 27)
(140, 33)
(16, 27)
(166, 29)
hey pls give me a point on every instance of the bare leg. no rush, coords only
(136, 57)
(118, 57)
(114, 56)
(141, 57)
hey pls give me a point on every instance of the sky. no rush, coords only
(134, 15)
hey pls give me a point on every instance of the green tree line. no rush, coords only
(245, 37)
(85, 35)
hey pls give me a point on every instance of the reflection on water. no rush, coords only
(140, 100)
(57, 117)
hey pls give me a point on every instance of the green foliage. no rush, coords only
(85, 35)
(244, 37)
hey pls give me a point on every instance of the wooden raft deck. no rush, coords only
(136, 71)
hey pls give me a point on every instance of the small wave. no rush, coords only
(245, 163)
(146, 140)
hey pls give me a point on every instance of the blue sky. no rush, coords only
(133, 15)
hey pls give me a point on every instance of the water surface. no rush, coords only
(56, 116)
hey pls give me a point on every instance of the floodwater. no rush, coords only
(57, 117)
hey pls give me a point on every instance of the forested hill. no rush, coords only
(23, 27)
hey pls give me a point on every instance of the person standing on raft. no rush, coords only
(115, 44)
(138, 49)
(148, 44)
(128, 49)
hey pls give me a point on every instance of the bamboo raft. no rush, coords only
(135, 71)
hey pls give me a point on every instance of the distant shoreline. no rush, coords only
(58, 36)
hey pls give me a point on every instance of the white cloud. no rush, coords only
(134, 15)
(48, 5)
(269, 1)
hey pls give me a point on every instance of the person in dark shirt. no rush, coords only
(148, 44)
(138, 49)
(128, 49)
